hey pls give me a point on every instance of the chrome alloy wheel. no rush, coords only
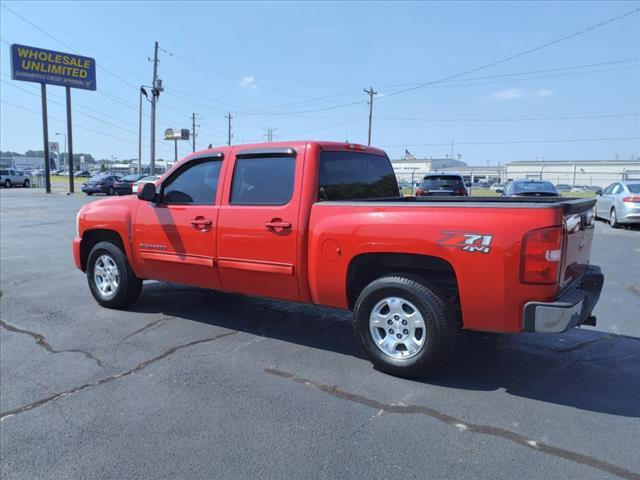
(106, 276)
(397, 328)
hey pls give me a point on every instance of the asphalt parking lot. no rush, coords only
(194, 384)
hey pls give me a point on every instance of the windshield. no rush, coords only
(350, 175)
(533, 187)
(634, 187)
(445, 182)
(96, 178)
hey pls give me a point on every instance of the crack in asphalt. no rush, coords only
(146, 327)
(42, 341)
(461, 425)
(111, 378)
(630, 287)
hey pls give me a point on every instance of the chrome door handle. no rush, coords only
(278, 225)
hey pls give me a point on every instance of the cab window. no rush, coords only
(263, 180)
(196, 183)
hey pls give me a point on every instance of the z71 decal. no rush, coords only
(469, 242)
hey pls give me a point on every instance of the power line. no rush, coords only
(511, 119)
(547, 70)
(513, 142)
(519, 54)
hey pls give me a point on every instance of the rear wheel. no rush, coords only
(89, 193)
(111, 280)
(404, 326)
(110, 191)
(613, 219)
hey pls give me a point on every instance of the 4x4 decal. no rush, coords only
(469, 242)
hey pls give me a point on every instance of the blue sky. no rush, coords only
(266, 63)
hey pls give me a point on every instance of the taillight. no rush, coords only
(541, 256)
(462, 192)
(632, 199)
(419, 192)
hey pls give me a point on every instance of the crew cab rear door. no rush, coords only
(258, 225)
(175, 238)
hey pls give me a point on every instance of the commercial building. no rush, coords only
(28, 164)
(574, 172)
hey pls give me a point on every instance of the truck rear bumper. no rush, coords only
(573, 307)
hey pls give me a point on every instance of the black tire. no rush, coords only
(110, 191)
(89, 193)
(440, 333)
(26, 184)
(613, 219)
(7, 183)
(129, 285)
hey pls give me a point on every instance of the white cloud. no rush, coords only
(509, 94)
(514, 93)
(544, 92)
(248, 82)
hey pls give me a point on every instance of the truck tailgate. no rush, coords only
(578, 221)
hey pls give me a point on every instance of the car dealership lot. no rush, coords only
(194, 384)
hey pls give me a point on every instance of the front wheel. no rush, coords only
(7, 183)
(613, 219)
(110, 191)
(404, 327)
(26, 184)
(111, 280)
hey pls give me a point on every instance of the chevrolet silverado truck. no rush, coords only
(324, 223)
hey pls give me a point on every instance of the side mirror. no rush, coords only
(499, 190)
(148, 192)
(598, 192)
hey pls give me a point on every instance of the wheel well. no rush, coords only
(436, 272)
(91, 237)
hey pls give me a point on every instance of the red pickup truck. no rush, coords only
(325, 223)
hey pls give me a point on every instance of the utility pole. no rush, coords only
(155, 92)
(371, 93)
(229, 117)
(269, 134)
(193, 131)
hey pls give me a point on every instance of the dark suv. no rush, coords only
(442, 184)
(100, 184)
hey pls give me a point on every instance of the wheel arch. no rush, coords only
(92, 237)
(437, 272)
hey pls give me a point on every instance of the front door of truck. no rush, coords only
(258, 223)
(175, 239)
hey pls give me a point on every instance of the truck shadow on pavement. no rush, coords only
(584, 369)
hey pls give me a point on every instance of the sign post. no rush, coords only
(32, 64)
(176, 134)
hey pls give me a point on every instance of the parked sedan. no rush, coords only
(142, 181)
(442, 184)
(619, 203)
(100, 184)
(125, 184)
(530, 188)
(563, 187)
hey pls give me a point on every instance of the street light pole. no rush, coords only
(142, 92)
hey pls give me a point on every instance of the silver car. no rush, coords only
(619, 203)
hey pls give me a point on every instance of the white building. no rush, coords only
(574, 172)
(412, 169)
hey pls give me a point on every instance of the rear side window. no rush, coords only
(197, 183)
(4, 172)
(634, 187)
(444, 182)
(353, 175)
(263, 180)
